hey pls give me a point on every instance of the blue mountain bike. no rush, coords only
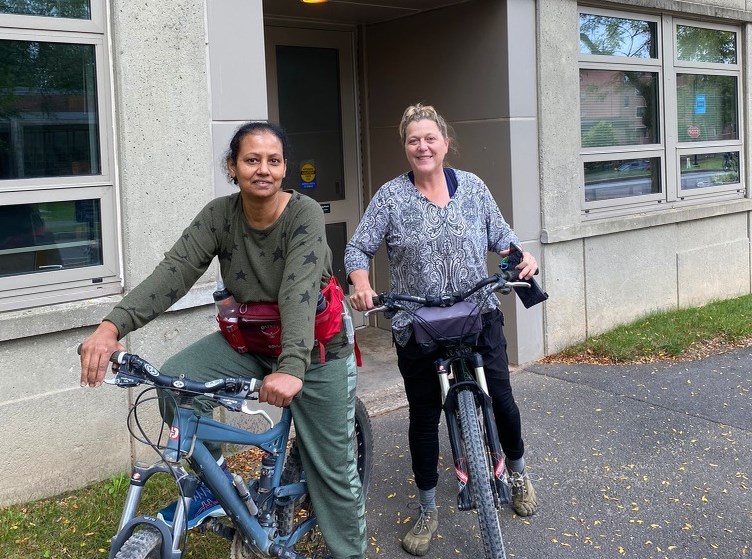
(269, 516)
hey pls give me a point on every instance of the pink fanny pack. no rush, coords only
(257, 327)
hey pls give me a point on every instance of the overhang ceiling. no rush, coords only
(351, 12)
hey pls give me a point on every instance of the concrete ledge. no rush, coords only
(81, 314)
(642, 221)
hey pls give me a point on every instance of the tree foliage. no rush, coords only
(79, 9)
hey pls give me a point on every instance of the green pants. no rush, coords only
(324, 417)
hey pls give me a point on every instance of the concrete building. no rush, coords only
(612, 135)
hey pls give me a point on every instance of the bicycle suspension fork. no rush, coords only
(479, 388)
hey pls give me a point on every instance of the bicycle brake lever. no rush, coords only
(124, 381)
(380, 308)
(248, 411)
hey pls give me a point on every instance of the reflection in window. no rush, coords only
(701, 170)
(49, 236)
(605, 180)
(79, 9)
(618, 108)
(697, 44)
(706, 107)
(48, 110)
(615, 36)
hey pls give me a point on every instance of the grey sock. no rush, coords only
(517, 465)
(427, 498)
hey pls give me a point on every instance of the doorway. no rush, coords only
(311, 93)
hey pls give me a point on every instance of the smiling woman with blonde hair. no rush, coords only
(439, 224)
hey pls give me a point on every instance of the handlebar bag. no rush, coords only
(459, 324)
(260, 326)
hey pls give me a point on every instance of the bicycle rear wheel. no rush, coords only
(291, 515)
(288, 516)
(143, 544)
(363, 444)
(479, 476)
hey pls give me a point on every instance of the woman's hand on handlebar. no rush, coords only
(362, 299)
(527, 267)
(279, 389)
(95, 353)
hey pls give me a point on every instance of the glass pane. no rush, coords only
(706, 107)
(622, 178)
(309, 109)
(49, 236)
(79, 9)
(618, 108)
(336, 237)
(697, 44)
(615, 36)
(48, 110)
(701, 170)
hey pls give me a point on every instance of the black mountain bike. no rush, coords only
(451, 324)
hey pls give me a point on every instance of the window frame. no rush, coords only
(96, 24)
(669, 150)
(711, 146)
(56, 286)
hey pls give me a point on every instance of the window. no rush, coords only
(57, 204)
(659, 112)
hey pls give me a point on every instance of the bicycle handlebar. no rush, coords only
(505, 280)
(144, 371)
(131, 370)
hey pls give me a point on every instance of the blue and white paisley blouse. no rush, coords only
(431, 250)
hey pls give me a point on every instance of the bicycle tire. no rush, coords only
(479, 476)
(363, 443)
(145, 543)
(288, 516)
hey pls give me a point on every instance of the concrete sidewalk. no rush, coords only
(379, 381)
(649, 461)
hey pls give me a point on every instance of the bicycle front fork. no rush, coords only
(140, 476)
(479, 389)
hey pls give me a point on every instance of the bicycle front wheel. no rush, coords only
(479, 476)
(143, 544)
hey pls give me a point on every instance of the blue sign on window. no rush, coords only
(700, 106)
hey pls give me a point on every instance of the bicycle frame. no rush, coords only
(186, 440)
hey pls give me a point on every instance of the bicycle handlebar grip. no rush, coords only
(118, 357)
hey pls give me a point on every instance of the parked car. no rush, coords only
(634, 165)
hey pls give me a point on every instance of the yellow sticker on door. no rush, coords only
(308, 174)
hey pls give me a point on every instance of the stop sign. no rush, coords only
(693, 131)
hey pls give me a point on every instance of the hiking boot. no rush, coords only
(418, 539)
(524, 501)
(204, 505)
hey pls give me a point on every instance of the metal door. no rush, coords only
(311, 86)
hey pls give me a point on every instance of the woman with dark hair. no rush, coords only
(271, 246)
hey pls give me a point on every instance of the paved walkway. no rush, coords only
(649, 461)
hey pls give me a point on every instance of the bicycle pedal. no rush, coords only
(215, 526)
